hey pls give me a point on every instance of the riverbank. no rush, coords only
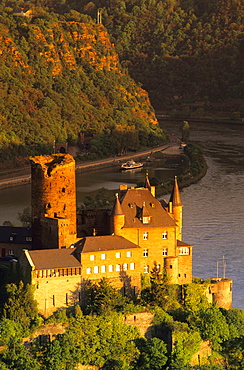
(196, 170)
(225, 120)
(21, 176)
(16, 177)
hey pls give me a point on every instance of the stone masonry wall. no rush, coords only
(53, 191)
(53, 292)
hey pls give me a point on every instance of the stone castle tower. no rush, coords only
(53, 199)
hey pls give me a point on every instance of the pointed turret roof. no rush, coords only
(147, 184)
(117, 210)
(175, 195)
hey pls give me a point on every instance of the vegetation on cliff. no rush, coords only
(181, 51)
(188, 54)
(60, 77)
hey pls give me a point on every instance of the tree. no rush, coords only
(54, 358)
(102, 297)
(17, 357)
(152, 354)
(186, 342)
(124, 138)
(185, 131)
(235, 320)
(25, 216)
(95, 340)
(234, 351)
(212, 326)
(9, 331)
(160, 293)
(20, 306)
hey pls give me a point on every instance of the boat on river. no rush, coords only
(130, 165)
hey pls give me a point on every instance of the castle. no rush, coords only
(142, 233)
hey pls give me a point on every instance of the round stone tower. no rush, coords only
(221, 290)
(53, 192)
(171, 265)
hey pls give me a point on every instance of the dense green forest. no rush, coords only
(98, 332)
(180, 50)
(60, 77)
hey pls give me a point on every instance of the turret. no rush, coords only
(175, 207)
(117, 216)
(148, 186)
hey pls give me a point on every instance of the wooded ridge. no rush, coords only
(61, 77)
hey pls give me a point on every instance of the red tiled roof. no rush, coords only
(53, 258)
(103, 243)
(182, 244)
(132, 204)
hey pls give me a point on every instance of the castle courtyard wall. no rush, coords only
(53, 291)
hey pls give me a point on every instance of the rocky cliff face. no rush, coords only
(65, 43)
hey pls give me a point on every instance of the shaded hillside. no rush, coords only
(180, 50)
(59, 77)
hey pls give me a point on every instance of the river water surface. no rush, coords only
(213, 214)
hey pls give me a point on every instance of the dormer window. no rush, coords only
(145, 215)
(12, 237)
(146, 219)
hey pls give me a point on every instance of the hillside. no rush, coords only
(60, 76)
(182, 51)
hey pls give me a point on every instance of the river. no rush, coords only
(213, 214)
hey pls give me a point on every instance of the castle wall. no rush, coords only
(49, 232)
(55, 233)
(55, 291)
(13, 249)
(177, 212)
(26, 267)
(89, 221)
